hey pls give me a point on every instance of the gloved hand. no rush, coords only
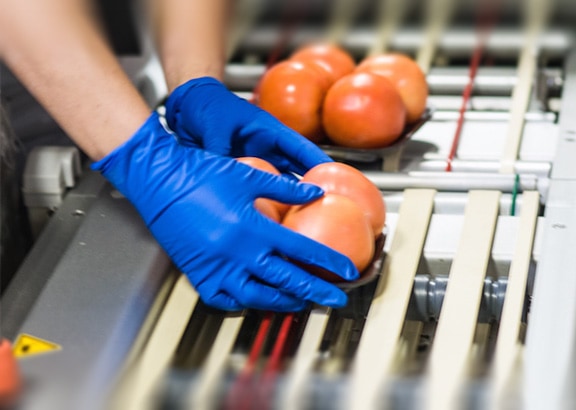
(203, 113)
(199, 207)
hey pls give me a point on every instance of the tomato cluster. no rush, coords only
(348, 218)
(320, 92)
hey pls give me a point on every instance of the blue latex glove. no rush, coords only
(205, 114)
(199, 207)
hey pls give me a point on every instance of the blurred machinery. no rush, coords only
(475, 306)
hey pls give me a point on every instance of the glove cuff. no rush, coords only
(118, 165)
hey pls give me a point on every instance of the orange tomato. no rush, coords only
(407, 77)
(363, 110)
(342, 179)
(260, 164)
(334, 60)
(272, 209)
(293, 92)
(337, 222)
(11, 386)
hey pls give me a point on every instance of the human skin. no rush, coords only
(57, 50)
(190, 37)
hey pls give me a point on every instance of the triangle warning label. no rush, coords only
(27, 345)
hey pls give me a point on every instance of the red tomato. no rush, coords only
(11, 382)
(293, 92)
(272, 209)
(267, 208)
(260, 164)
(406, 75)
(342, 179)
(331, 58)
(337, 222)
(363, 110)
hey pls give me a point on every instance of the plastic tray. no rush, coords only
(373, 270)
(339, 153)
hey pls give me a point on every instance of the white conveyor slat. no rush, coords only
(305, 358)
(149, 368)
(451, 347)
(204, 396)
(343, 14)
(536, 20)
(508, 346)
(390, 16)
(378, 345)
(246, 12)
(439, 13)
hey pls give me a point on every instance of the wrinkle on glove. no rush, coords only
(205, 114)
(200, 208)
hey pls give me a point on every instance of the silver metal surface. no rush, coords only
(551, 338)
(455, 42)
(454, 202)
(564, 168)
(453, 182)
(441, 81)
(89, 286)
(537, 169)
(428, 295)
(27, 285)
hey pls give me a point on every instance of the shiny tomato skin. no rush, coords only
(272, 209)
(333, 59)
(363, 110)
(293, 92)
(407, 77)
(337, 222)
(267, 208)
(259, 163)
(342, 179)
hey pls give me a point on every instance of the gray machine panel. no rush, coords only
(93, 300)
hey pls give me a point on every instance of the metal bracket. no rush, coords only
(49, 172)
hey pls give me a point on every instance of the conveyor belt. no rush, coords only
(474, 306)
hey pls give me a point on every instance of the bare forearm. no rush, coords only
(191, 37)
(58, 53)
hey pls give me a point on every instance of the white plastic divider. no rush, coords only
(306, 356)
(508, 345)
(343, 14)
(205, 395)
(451, 347)
(144, 377)
(390, 16)
(537, 14)
(336, 361)
(438, 15)
(247, 12)
(376, 352)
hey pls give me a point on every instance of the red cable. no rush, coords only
(258, 344)
(476, 57)
(266, 387)
(240, 392)
(273, 365)
(485, 22)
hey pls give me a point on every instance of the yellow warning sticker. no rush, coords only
(27, 345)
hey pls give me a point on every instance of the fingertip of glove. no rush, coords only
(345, 269)
(352, 273)
(310, 190)
(299, 307)
(337, 299)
